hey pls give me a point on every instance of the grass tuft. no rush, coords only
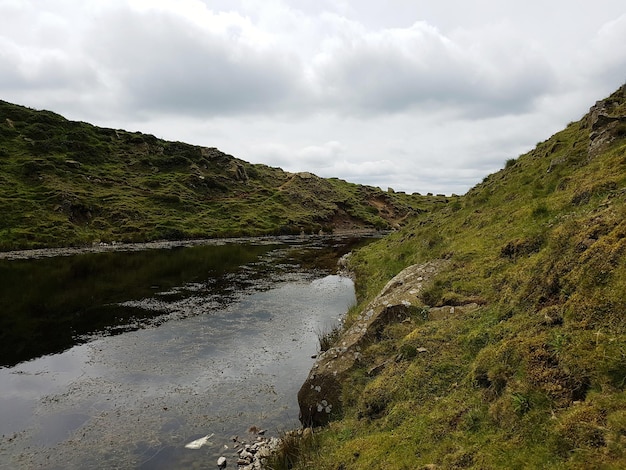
(328, 337)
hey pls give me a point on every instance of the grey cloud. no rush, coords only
(27, 70)
(10, 76)
(35, 56)
(320, 155)
(605, 61)
(156, 62)
(419, 67)
(416, 108)
(166, 64)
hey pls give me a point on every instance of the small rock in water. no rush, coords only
(221, 462)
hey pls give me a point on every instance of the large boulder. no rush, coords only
(320, 395)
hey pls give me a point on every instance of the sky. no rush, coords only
(419, 96)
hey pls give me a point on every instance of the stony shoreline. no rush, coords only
(250, 455)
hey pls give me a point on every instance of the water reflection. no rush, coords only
(47, 304)
(134, 399)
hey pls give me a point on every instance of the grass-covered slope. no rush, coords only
(536, 377)
(70, 183)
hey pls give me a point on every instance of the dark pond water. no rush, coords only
(119, 359)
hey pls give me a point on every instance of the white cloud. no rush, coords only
(28, 68)
(227, 24)
(399, 69)
(323, 155)
(605, 58)
(168, 63)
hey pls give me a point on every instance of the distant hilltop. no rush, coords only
(67, 183)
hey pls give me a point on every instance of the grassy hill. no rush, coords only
(68, 183)
(536, 376)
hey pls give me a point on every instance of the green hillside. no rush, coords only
(68, 183)
(536, 376)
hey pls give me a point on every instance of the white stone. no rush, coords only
(199, 442)
(221, 462)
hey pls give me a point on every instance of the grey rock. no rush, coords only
(320, 396)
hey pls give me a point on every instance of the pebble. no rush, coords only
(221, 462)
(251, 455)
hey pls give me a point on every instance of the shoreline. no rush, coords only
(38, 253)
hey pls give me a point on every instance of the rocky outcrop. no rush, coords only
(319, 397)
(238, 172)
(606, 121)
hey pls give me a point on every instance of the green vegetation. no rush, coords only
(534, 378)
(66, 183)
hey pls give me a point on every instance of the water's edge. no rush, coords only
(37, 253)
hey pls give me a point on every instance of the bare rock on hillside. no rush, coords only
(320, 395)
(606, 122)
(238, 172)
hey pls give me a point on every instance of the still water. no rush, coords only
(119, 359)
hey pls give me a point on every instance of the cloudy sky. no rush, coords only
(422, 96)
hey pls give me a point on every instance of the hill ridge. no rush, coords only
(71, 183)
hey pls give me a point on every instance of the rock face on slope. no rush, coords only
(320, 396)
(606, 121)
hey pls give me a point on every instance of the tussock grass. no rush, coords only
(328, 336)
(294, 445)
